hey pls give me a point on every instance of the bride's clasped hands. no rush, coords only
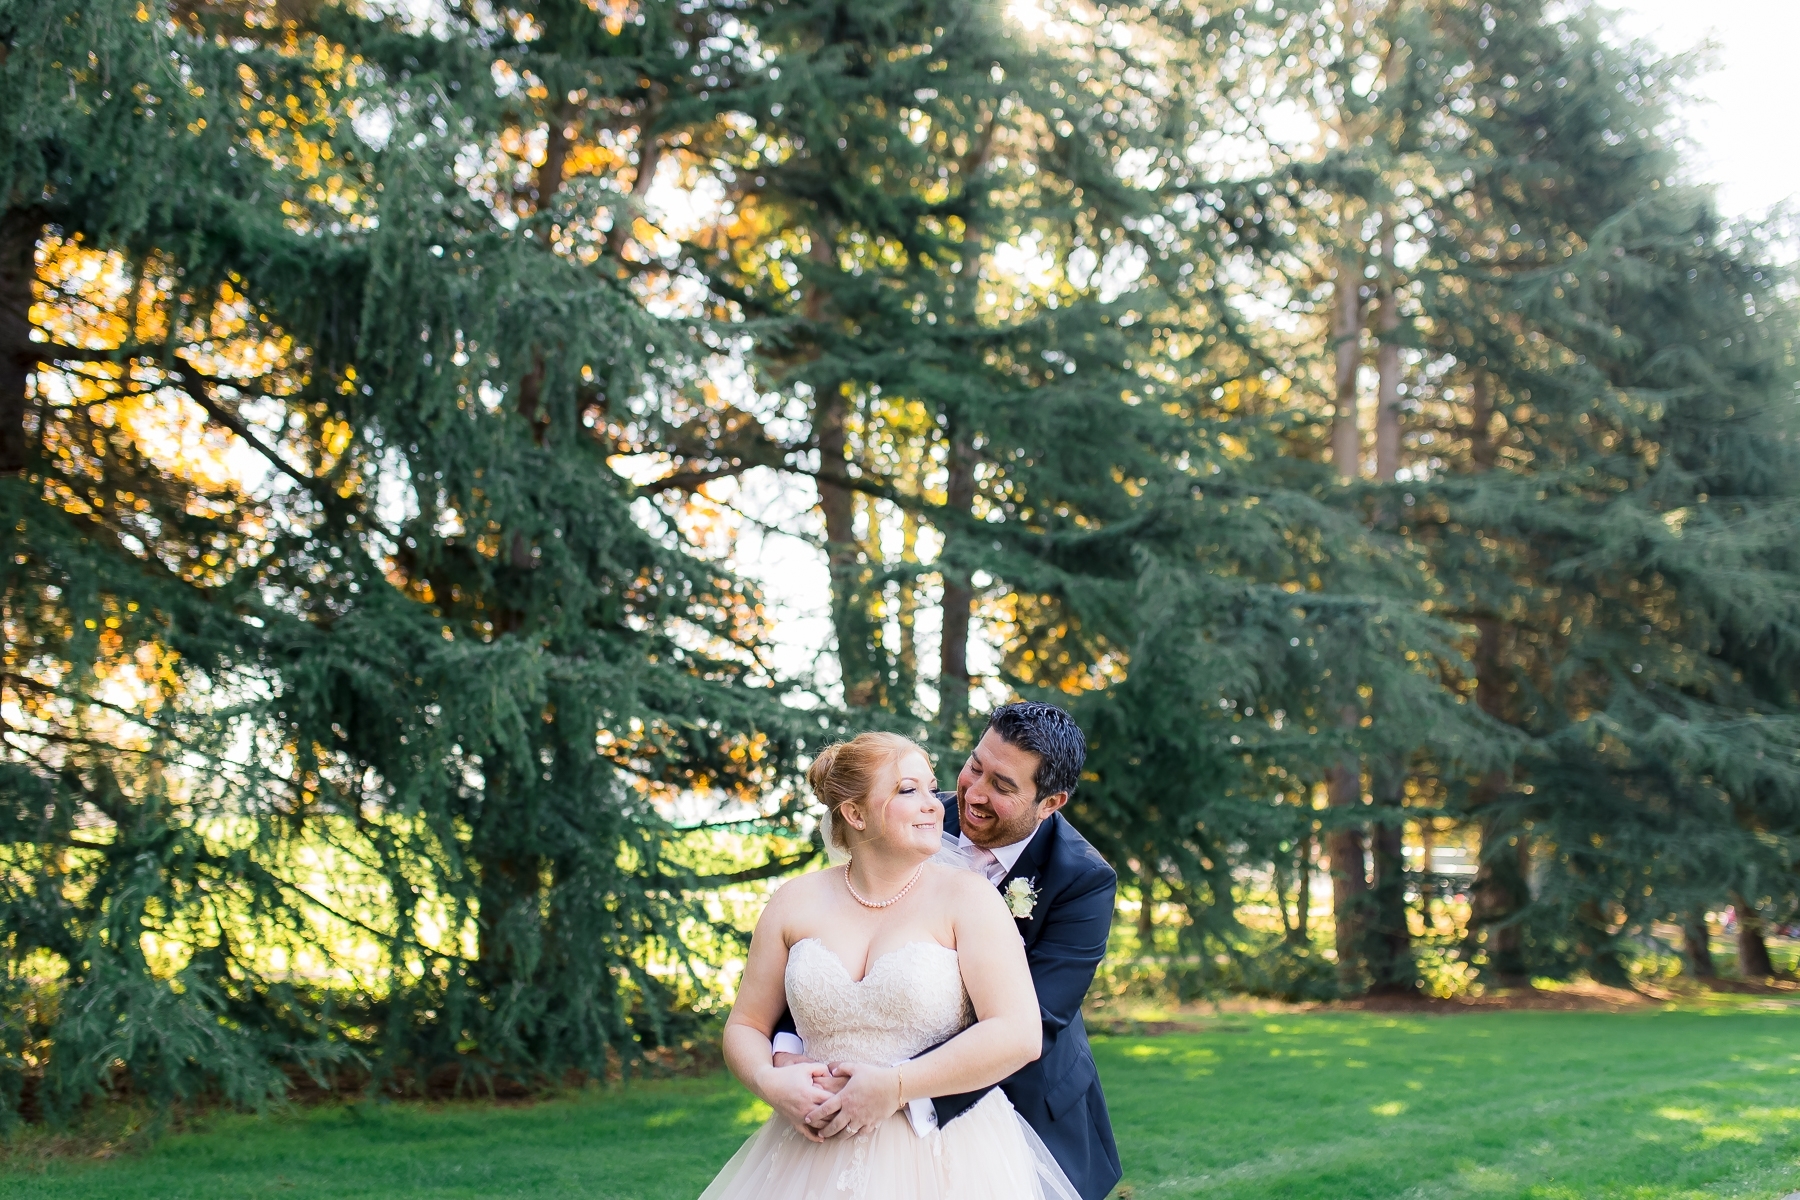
(906, 979)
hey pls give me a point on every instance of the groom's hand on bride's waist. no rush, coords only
(797, 1089)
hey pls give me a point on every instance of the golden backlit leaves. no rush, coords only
(105, 418)
(665, 765)
(1044, 645)
(134, 408)
(296, 131)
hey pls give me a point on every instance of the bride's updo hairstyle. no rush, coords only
(846, 772)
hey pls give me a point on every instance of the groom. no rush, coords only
(1060, 890)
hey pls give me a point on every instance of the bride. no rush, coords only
(907, 980)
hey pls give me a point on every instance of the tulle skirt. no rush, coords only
(986, 1153)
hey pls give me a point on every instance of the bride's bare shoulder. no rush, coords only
(802, 889)
(959, 885)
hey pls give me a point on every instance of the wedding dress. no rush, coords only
(910, 1000)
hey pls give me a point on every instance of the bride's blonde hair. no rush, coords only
(845, 773)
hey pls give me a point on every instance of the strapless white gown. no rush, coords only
(910, 1000)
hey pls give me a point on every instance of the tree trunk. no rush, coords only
(1427, 875)
(1146, 922)
(849, 608)
(1498, 893)
(1696, 945)
(1346, 335)
(1387, 363)
(549, 178)
(1482, 450)
(19, 230)
(1278, 881)
(1496, 897)
(1388, 943)
(906, 661)
(1349, 873)
(1752, 951)
(1304, 891)
(649, 152)
(508, 923)
(1596, 946)
(959, 596)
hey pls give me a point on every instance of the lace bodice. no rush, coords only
(910, 1000)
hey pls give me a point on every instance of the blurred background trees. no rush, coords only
(1348, 410)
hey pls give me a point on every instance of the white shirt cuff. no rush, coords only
(787, 1043)
(922, 1115)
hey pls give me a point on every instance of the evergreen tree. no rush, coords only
(1604, 456)
(871, 195)
(359, 751)
(1473, 162)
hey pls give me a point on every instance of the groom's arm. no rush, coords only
(1071, 946)
(1063, 960)
(787, 1039)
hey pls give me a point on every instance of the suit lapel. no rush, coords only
(1030, 867)
(1037, 851)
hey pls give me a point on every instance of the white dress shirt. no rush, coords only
(920, 1113)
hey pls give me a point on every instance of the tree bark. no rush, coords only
(959, 595)
(1349, 873)
(1753, 952)
(849, 615)
(1387, 362)
(1483, 452)
(1388, 942)
(1346, 335)
(1146, 921)
(1498, 893)
(19, 230)
(1303, 890)
(508, 920)
(1427, 874)
(549, 178)
(1278, 882)
(1696, 945)
(906, 662)
(649, 155)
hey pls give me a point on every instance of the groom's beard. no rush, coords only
(1001, 831)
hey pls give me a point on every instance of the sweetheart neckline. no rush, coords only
(873, 963)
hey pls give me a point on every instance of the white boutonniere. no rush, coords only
(1021, 897)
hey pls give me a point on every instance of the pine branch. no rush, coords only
(205, 396)
(188, 375)
(769, 870)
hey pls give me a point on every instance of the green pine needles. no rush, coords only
(344, 696)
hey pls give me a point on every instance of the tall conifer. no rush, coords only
(344, 696)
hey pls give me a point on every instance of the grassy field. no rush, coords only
(1668, 1105)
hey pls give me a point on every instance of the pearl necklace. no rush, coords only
(894, 899)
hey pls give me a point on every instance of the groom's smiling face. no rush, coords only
(996, 793)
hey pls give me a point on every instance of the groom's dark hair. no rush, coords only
(1051, 734)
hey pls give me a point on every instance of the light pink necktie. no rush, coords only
(990, 865)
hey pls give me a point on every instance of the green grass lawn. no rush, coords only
(1639, 1106)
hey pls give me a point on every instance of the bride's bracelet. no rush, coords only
(899, 1085)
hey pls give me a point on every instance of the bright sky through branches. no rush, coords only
(1746, 139)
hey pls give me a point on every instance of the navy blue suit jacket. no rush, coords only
(1065, 938)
